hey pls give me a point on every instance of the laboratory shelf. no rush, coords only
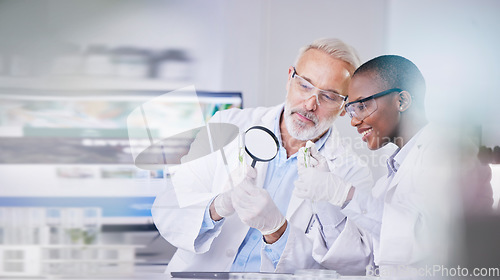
(88, 83)
(67, 260)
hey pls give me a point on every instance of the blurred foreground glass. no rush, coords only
(313, 274)
(37, 241)
(260, 276)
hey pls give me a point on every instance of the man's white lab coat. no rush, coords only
(197, 182)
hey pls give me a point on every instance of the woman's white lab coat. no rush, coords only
(419, 208)
(197, 182)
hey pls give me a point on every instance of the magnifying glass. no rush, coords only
(261, 144)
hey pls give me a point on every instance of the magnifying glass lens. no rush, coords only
(261, 144)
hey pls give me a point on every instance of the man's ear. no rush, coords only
(405, 100)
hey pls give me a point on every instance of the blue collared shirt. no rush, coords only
(280, 177)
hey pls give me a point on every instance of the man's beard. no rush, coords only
(299, 130)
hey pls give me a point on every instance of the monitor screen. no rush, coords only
(71, 148)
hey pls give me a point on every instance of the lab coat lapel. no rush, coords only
(411, 160)
(294, 204)
(406, 167)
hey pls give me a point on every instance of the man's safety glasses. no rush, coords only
(361, 109)
(325, 98)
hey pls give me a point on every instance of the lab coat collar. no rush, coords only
(395, 160)
(409, 153)
(392, 167)
(269, 118)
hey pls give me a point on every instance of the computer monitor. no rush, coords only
(68, 148)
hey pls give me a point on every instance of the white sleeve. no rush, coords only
(344, 240)
(339, 243)
(349, 254)
(179, 226)
(178, 213)
(366, 209)
(295, 256)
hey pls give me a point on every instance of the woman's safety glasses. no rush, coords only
(325, 98)
(361, 109)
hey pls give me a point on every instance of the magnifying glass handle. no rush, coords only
(253, 163)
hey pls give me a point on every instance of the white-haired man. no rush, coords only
(260, 225)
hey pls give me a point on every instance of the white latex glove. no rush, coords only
(255, 207)
(223, 203)
(317, 183)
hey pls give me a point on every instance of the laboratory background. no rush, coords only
(74, 73)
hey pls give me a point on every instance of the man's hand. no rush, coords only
(316, 182)
(255, 206)
(222, 205)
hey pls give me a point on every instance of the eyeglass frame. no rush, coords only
(294, 73)
(376, 95)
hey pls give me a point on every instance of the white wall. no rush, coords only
(455, 44)
(288, 25)
(236, 45)
(197, 26)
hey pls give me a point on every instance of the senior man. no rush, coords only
(259, 225)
